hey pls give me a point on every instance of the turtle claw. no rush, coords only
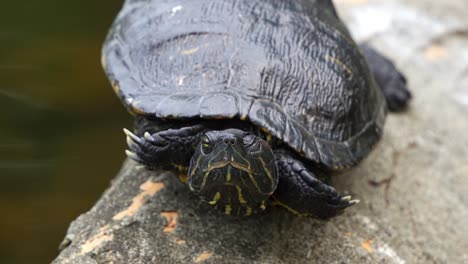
(347, 199)
(133, 143)
(148, 137)
(140, 167)
(155, 139)
(131, 135)
(156, 149)
(145, 149)
(130, 143)
(133, 156)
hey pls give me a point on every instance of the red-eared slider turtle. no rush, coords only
(252, 99)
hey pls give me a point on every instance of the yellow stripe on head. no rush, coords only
(216, 198)
(228, 209)
(240, 196)
(248, 211)
(229, 175)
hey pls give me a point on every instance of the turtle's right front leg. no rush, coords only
(302, 193)
(165, 149)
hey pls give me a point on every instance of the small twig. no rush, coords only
(387, 181)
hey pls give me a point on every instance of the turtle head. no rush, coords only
(233, 170)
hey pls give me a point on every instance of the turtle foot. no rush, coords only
(392, 82)
(147, 149)
(300, 191)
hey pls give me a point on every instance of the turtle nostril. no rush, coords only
(229, 141)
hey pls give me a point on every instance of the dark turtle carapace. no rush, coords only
(253, 100)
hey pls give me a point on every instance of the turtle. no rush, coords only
(256, 102)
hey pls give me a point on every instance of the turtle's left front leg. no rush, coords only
(165, 149)
(301, 192)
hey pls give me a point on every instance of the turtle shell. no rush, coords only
(289, 67)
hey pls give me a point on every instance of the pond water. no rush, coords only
(61, 124)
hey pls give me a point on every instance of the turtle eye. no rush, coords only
(252, 144)
(206, 145)
(249, 139)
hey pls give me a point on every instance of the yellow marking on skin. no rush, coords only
(268, 138)
(204, 179)
(217, 164)
(210, 168)
(241, 197)
(180, 168)
(255, 182)
(222, 164)
(337, 61)
(248, 211)
(242, 167)
(228, 209)
(183, 178)
(229, 175)
(277, 202)
(189, 51)
(196, 167)
(244, 181)
(263, 206)
(266, 170)
(246, 161)
(216, 198)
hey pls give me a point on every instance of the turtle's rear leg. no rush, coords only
(389, 78)
(302, 193)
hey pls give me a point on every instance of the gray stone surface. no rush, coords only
(413, 187)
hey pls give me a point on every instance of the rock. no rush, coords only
(413, 187)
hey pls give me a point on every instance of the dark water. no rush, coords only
(60, 132)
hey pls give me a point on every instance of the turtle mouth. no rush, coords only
(227, 172)
(229, 162)
(229, 177)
